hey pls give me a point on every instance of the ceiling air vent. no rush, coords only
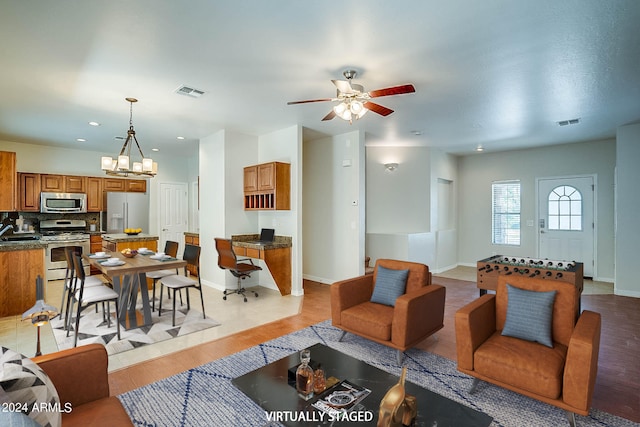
(189, 91)
(568, 122)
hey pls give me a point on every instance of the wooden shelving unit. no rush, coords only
(267, 186)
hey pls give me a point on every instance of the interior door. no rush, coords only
(173, 214)
(566, 226)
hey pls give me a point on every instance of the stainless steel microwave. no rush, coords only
(63, 202)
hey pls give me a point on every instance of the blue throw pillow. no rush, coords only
(390, 284)
(529, 315)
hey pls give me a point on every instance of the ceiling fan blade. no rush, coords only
(377, 108)
(343, 86)
(310, 100)
(396, 90)
(329, 116)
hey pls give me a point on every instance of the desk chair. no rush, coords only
(88, 296)
(227, 260)
(171, 249)
(178, 282)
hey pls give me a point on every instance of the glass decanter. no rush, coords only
(304, 376)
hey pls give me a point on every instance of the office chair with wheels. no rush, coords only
(227, 260)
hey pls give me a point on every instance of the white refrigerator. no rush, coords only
(126, 210)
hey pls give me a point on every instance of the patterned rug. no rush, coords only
(93, 329)
(205, 396)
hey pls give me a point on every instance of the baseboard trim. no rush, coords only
(318, 279)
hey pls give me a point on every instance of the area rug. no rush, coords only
(93, 329)
(205, 396)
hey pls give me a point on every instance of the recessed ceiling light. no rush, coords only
(180, 137)
(94, 123)
(479, 148)
(155, 149)
(81, 140)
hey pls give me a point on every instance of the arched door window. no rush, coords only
(565, 208)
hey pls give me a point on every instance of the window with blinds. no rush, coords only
(505, 215)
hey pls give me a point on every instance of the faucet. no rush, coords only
(7, 228)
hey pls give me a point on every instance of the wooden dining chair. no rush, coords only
(88, 296)
(177, 282)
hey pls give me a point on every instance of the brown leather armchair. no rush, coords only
(563, 375)
(417, 314)
(80, 377)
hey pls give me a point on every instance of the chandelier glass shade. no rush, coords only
(123, 164)
(348, 108)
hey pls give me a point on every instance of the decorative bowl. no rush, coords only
(131, 254)
(131, 234)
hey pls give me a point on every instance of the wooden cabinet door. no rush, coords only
(250, 179)
(136, 185)
(75, 184)
(8, 181)
(52, 183)
(266, 176)
(113, 184)
(29, 192)
(94, 194)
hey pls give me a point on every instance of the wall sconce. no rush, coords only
(390, 167)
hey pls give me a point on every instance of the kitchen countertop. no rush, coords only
(122, 237)
(22, 245)
(246, 241)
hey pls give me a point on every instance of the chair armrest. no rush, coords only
(417, 315)
(350, 292)
(581, 366)
(475, 322)
(79, 374)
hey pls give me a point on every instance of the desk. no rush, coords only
(276, 255)
(126, 281)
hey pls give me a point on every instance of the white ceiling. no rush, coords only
(499, 73)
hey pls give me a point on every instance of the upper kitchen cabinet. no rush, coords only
(8, 181)
(94, 194)
(29, 192)
(129, 185)
(267, 186)
(63, 183)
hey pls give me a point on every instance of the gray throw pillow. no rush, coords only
(529, 315)
(390, 284)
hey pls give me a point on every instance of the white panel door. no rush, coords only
(173, 214)
(566, 226)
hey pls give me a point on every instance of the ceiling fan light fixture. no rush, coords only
(340, 109)
(356, 107)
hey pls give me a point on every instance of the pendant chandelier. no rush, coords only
(123, 164)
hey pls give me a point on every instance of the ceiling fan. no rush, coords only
(354, 101)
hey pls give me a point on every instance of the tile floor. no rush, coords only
(234, 314)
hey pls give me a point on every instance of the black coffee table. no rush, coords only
(269, 387)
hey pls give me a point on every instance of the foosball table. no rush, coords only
(490, 268)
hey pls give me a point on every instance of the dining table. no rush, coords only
(129, 279)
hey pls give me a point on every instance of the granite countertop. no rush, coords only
(122, 237)
(246, 241)
(22, 245)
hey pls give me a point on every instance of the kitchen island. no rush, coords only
(21, 262)
(276, 255)
(119, 241)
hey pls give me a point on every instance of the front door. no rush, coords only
(173, 214)
(566, 226)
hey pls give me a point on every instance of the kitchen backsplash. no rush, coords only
(34, 218)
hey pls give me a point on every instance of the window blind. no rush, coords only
(505, 213)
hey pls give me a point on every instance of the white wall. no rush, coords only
(627, 207)
(333, 178)
(477, 172)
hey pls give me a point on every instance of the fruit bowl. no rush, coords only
(130, 254)
(128, 233)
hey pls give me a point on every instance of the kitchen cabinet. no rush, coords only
(29, 192)
(267, 186)
(113, 184)
(125, 185)
(95, 242)
(94, 194)
(63, 183)
(8, 182)
(136, 185)
(18, 274)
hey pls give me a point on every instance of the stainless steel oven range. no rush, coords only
(59, 234)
